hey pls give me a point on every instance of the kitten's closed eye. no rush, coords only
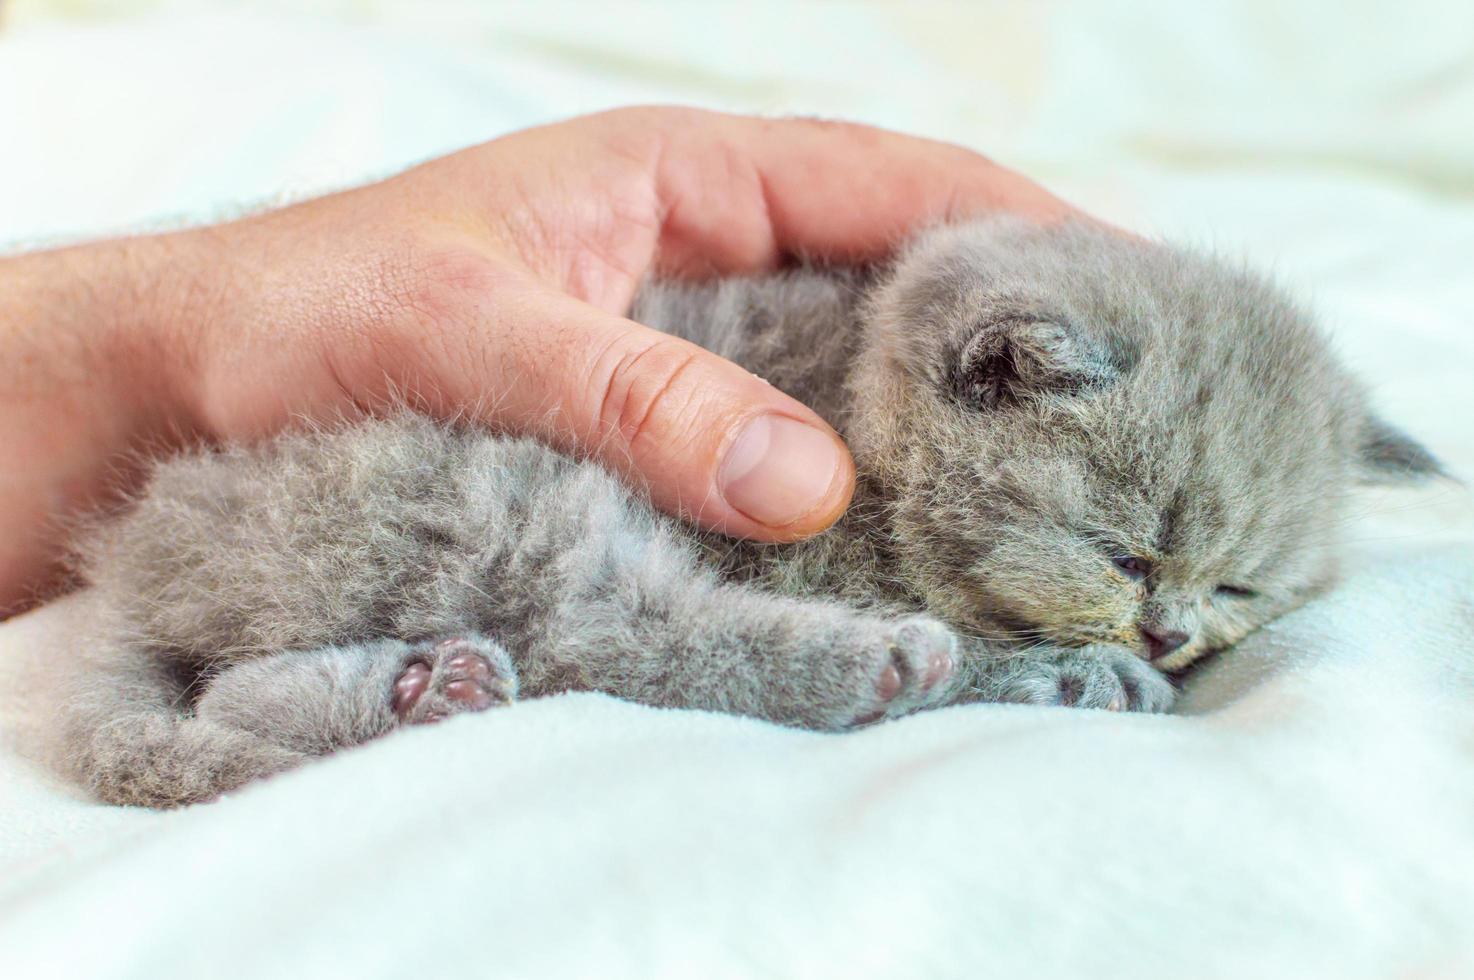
(1134, 567)
(1235, 592)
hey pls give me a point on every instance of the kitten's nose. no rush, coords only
(1160, 642)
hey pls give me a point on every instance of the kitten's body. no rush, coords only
(1027, 408)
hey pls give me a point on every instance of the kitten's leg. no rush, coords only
(1099, 676)
(131, 742)
(629, 610)
(408, 529)
(810, 664)
(317, 701)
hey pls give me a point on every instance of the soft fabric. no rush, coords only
(1309, 810)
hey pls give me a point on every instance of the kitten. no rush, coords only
(1083, 460)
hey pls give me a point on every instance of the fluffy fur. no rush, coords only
(1083, 459)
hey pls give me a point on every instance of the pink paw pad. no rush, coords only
(939, 668)
(450, 677)
(921, 662)
(890, 684)
(410, 687)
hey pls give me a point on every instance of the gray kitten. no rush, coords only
(1083, 459)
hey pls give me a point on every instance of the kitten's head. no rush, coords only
(1084, 437)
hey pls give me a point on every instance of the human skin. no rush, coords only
(490, 284)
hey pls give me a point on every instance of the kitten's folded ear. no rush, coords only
(1386, 454)
(1011, 359)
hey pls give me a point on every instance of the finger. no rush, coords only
(741, 193)
(713, 443)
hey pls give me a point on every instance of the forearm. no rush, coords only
(83, 352)
(115, 350)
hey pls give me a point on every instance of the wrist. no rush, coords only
(86, 387)
(155, 292)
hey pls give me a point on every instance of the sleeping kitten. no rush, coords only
(1083, 460)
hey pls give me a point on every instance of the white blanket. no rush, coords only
(1308, 812)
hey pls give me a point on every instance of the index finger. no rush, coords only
(741, 193)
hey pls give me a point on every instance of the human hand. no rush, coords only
(490, 283)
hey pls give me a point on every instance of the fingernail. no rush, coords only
(779, 470)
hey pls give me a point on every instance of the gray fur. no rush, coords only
(1024, 405)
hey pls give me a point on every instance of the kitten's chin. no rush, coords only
(1183, 659)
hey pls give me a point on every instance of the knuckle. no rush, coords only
(415, 302)
(643, 386)
(434, 285)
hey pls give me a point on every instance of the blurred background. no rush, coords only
(145, 108)
(1328, 141)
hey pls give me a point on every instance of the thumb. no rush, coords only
(712, 442)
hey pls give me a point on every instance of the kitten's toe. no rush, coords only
(446, 677)
(919, 656)
(1101, 677)
(1144, 687)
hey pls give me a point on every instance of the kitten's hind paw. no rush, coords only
(1101, 676)
(441, 678)
(919, 657)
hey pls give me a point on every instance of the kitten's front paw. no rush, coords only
(916, 659)
(446, 677)
(1101, 676)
